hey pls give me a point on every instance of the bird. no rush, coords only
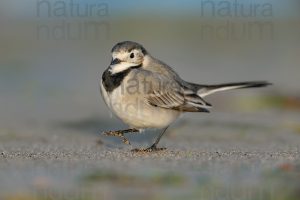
(145, 92)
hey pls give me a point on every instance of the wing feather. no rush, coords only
(174, 96)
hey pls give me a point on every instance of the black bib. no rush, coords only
(112, 81)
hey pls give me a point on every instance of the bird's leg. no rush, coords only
(153, 147)
(120, 133)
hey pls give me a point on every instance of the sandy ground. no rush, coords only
(221, 156)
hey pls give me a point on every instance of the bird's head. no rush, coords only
(126, 55)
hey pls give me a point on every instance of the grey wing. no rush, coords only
(170, 94)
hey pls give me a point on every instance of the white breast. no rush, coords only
(135, 111)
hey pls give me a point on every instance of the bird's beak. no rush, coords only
(115, 61)
(117, 66)
(113, 64)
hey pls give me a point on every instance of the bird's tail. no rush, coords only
(204, 90)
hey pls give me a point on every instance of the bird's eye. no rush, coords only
(132, 55)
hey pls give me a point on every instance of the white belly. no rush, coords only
(134, 111)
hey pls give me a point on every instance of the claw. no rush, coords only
(117, 134)
(126, 141)
(113, 133)
(153, 148)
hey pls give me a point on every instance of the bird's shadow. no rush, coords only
(96, 125)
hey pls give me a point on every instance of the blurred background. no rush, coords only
(53, 53)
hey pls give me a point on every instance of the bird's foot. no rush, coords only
(117, 134)
(152, 148)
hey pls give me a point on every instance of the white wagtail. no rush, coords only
(145, 93)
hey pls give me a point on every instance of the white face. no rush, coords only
(126, 60)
